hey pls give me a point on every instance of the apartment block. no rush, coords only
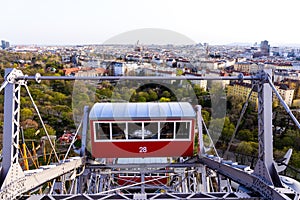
(243, 90)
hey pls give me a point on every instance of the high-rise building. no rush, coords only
(265, 48)
(4, 44)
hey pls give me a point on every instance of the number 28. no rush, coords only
(143, 149)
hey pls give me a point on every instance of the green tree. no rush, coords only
(166, 94)
(234, 107)
(227, 131)
(164, 99)
(179, 72)
(58, 98)
(141, 99)
(29, 133)
(245, 135)
(26, 113)
(245, 148)
(152, 95)
(145, 96)
(50, 130)
(205, 116)
(295, 159)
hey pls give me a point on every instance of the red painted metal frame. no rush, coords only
(154, 148)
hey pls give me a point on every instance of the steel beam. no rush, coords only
(265, 168)
(27, 183)
(39, 78)
(162, 196)
(251, 182)
(11, 128)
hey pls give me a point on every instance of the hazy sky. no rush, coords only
(95, 21)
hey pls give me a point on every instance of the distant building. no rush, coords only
(243, 90)
(245, 67)
(65, 58)
(286, 93)
(4, 44)
(90, 72)
(74, 59)
(165, 72)
(7, 44)
(265, 48)
(201, 83)
(71, 71)
(209, 64)
(279, 65)
(85, 71)
(275, 51)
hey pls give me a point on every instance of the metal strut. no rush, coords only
(286, 107)
(265, 167)
(13, 180)
(11, 170)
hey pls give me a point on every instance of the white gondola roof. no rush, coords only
(149, 110)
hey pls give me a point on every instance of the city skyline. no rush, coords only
(95, 22)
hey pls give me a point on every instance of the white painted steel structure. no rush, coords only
(189, 179)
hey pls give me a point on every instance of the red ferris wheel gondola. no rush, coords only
(152, 129)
